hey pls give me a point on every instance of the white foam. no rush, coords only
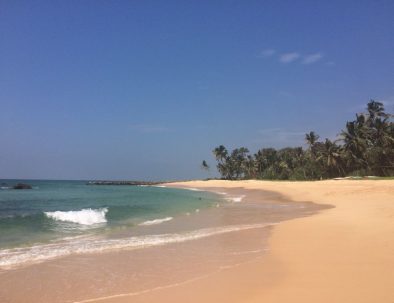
(85, 216)
(163, 186)
(193, 189)
(156, 221)
(16, 257)
(235, 199)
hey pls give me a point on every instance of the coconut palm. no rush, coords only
(331, 159)
(311, 138)
(204, 165)
(367, 146)
(220, 153)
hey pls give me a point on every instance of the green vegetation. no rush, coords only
(365, 147)
(204, 165)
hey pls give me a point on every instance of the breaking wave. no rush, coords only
(15, 257)
(85, 216)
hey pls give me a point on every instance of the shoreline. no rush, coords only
(343, 254)
(228, 234)
(324, 254)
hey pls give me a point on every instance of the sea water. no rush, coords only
(65, 241)
(58, 218)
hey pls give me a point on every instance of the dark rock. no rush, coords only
(22, 186)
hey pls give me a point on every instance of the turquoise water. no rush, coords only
(55, 210)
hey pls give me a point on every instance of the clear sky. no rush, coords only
(146, 89)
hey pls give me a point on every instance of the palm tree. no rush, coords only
(250, 167)
(367, 147)
(238, 162)
(224, 165)
(380, 154)
(331, 159)
(204, 165)
(220, 153)
(354, 145)
(375, 110)
(311, 138)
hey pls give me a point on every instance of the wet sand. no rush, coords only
(131, 275)
(340, 254)
(343, 254)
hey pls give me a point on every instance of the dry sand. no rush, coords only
(340, 254)
(343, 254)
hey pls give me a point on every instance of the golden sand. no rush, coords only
(343, 254)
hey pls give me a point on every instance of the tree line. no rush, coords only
(365, 147)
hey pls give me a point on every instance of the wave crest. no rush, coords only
(86, 216)
(156, 221)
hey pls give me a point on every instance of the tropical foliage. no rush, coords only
(364, 147)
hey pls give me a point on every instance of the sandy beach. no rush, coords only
(339, 248)
(343, 254)
(197, 151)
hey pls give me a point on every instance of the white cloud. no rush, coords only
(313, 58)
(266, 53)
(293, 56)
(289, 57)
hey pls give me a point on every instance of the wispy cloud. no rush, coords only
(146, 128)
(312, 58)
(289, 57)
(293, 56)
(266, 53)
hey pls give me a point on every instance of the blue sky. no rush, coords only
(146, 89)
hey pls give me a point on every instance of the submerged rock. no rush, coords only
(22, 186)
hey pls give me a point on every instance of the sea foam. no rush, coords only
(235, 199)
(85, 216)
(193, 189)
(15, 257)
(156, 221)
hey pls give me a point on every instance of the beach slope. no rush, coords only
(343, 254)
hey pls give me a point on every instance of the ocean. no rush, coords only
(66, 241)
(58, 218)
